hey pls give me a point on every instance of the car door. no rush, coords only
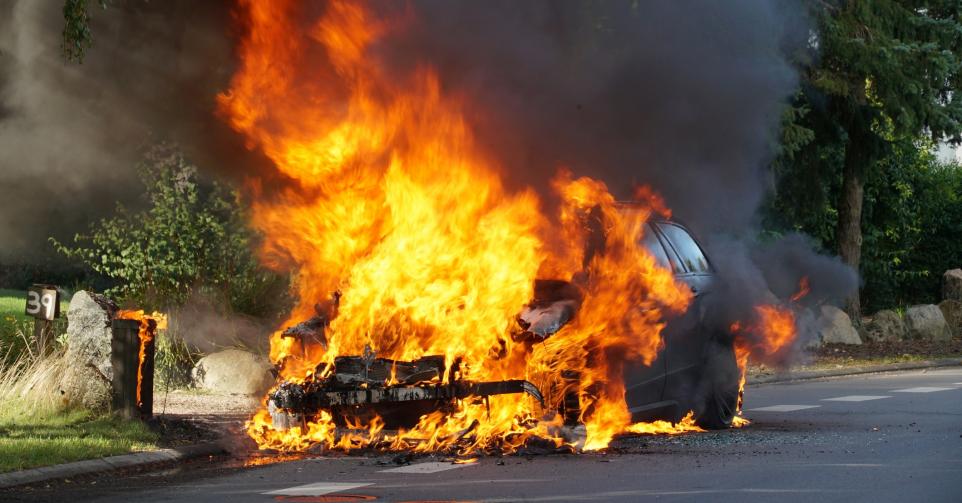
(645, 384)
(685, 337)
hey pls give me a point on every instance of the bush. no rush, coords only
(191, 237)
(913, 221)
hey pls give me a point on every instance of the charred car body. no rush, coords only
(695, 371)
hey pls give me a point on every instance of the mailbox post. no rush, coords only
(43, 303)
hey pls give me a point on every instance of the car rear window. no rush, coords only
(650, 241)
(686, 247)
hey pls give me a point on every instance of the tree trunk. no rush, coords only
(849, 230)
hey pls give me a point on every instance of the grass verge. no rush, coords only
(62, 437)
(37, 428)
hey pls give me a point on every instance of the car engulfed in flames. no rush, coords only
(391, 203)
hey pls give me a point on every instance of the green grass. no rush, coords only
(16, 327)
(38, 426)
(49, 439)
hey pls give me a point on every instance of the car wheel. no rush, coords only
(718, 388)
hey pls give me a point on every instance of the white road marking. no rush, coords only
(783, 408)
(920, 389)
(855, 398)
(430, 467)
(318, 489)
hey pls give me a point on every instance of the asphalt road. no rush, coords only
(882, 437)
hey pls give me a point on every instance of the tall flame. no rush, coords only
(393, 204)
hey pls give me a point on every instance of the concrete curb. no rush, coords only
(867, 369)
(101, 465)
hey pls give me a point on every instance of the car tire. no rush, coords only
(718, 388)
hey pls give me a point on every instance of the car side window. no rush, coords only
(650, 241)
(688, 250)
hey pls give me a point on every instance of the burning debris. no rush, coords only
(396, 392)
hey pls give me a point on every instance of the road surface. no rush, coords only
(882, 437)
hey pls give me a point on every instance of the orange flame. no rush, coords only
(803, 289)
(773, 331)
(393, 204)
(149, 324)
(686, 425)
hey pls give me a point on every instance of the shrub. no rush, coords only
(191, 236)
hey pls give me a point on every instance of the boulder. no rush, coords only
(233, 371)
(952, 285)
(926, 322)
(885, 326)
(952, 311)
(835, 327)
(86, 387)
(88, 350)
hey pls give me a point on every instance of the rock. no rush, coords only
(835, 327)
(88, 350)
(86, 387)
(952, 285)
(233, 371)
(926, 322)
(885, 326)
(952, 311)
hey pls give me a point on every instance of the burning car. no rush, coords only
(696, 371)
(468, 313)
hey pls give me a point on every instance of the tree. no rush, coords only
(884, 71)
(191, 236)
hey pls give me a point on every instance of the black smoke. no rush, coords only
(71, 134)
(683, 96)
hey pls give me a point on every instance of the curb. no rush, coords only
(868, 369)
(102, 465)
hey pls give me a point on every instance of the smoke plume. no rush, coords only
(683, 96)
(71, 134)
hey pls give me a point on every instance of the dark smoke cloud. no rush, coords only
(71, 134)
(684, 96)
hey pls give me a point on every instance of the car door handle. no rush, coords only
(695, 291)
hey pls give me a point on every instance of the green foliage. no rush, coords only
(190, 237)
(899, 59)
(876, 91)
(913, 223)
(76, 29)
